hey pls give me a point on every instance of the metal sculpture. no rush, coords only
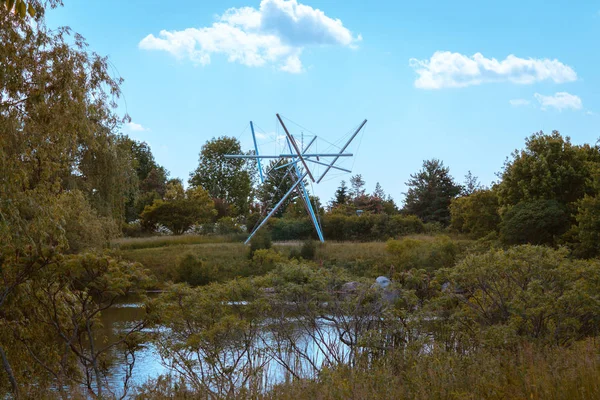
(298, 172)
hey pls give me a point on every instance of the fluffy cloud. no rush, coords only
(276, 33)
(445, 69)
(519, 102)
(133, 127)
(560, 101)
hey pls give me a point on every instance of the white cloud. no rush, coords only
(519, 102)
(445, 69)
(276, 33)
(560, 101)
(133, 127)
(588, 112)
(260, 135)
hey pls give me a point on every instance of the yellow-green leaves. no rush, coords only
(21, 8)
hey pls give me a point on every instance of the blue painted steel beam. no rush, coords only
(262, 179)
(289, 155)
(327, 165)
(285, 196)
(307, 202)
(343, 148)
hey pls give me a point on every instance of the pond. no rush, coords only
(316, 349)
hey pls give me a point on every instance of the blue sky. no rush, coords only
(462, 81)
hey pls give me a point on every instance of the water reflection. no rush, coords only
(309, 352)
(116, 320)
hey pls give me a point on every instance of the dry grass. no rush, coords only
(528, 373)
(165, 241)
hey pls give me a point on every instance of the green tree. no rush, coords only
(104, 170)
(180, 211)
(225, 179)
(357, 184)
(84, 228)
(277, 183)
(527, 291)
(471, 185)
(430, 192)
(341, 195)
(54, 96)
(549, 168)
(588, 226)
(534, 222)
(151, 178)
(475, 214)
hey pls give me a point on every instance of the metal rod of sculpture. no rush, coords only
(306, 199)
(262, 179)
(297, 157)
(342, 150)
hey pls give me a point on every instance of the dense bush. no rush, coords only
(369, 226)
(525, 291)
(226, 226)
(84, 228)
(291, 229)
(261, 240)
(588, 227)
(428, 255)
(534, 222)
(195, 271)
(475, 214)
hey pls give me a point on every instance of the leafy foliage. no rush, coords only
(224, 179)
(549, 168)
(475, 214)
(181, 210)
(430, 192)
(409, 253)
(527, 291)
(534, 222)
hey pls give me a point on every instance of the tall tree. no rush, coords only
(357, 185)
(471, 185)
(430, 192)
(180, 210)
(277, 183)
(54, 96)
(378, 192)
(226, 179)
(549, 168)
(341, 196)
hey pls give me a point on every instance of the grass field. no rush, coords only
(229, 256)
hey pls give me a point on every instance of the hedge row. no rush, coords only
(341, 227)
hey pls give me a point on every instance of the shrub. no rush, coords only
(534, 222)
(370, 226)
(226, 226)
(195, 271)
(531, 291)
(291, 229)
(308, 250)
(429, 255)
(264, 260)
(261, 240)
(476, 214)
(132, 229)
(84, 228)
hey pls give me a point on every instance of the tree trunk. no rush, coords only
(9, 373)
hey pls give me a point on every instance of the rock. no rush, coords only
(350, 287)
(388, 294)
(382, 281)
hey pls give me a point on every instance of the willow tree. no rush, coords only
(54, 95)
